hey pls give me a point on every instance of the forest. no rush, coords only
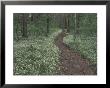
(55, 44)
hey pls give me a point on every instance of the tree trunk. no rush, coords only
(68, 30)
(17, 38)
(75, 29)
(24, 25)
(31, 16)
(76, 23)
(66, 23)
(75, 15)
(47, 24)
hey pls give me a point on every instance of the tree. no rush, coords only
(16, 27)
(67, 21)
(47, 24)
(76, 29)
(31, 16)
(24, 25)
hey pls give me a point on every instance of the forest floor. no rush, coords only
(71, 63)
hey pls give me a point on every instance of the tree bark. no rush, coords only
(68, 30)
(47, 24)
(75, 15)
(24, 26)
(76, 23)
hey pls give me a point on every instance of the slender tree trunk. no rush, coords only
(16, 29)
(68, 30)
(31, 16)
(75, 16)
(76, 23)
(66, 22)
(17, 32)
(47, 24)
(24, 25)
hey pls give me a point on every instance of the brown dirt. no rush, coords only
(71, 63)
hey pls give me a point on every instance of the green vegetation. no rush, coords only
(36, 57)
(85, 40)
(35, 52)
(86, 46)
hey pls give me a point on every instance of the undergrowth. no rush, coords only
(85, 45)
(36, 56)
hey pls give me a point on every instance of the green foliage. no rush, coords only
(85, 45)
(37, 54)
(88, 19)
(84, 40)
(36, 57)
(84, 20)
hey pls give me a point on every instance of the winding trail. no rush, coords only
(71, 63)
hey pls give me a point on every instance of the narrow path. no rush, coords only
(71, 63)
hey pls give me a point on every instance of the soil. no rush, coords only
(71, 63)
